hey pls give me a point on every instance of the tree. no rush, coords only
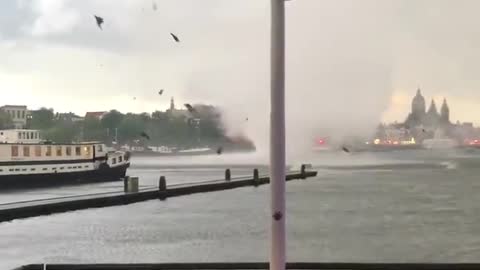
(93, 130)
(41, 119)
(5, 120)
(131, 127)
(112, 119)
(63, 132)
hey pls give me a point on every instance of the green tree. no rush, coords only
(63, 132)
(131, 127)
(5, 120)
(112, 119)
(41, 119)
(93, 130)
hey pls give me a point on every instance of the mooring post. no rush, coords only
(132, 184)
(162, 188)
(228, 175)
(303, 171)
(256, 178)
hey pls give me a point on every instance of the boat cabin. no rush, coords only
(20, 136)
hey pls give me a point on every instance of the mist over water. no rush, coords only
(338, 75)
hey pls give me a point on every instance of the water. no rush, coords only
(395, 207)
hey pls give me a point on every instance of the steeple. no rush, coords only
(445, 112)
(418, 106)
(172, 104)
(433, 109)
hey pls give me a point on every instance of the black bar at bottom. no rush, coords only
(256, 265)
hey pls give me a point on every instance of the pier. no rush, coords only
(133, 194)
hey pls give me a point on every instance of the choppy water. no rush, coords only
(402, 207)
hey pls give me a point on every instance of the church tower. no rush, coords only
(432, 116)
(445, 113)
(418, 106)
(433, 109)
(172, 105)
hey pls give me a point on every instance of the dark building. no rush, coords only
(431, 119)
(445, 113)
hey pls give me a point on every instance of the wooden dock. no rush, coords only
(26, 209)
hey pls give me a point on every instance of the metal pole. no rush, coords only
(277, 136)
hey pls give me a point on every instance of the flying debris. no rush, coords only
(145, 135)
(99, 21)
(154, 5)
(175, 37)
(219, 150)
(189, 107)
(246, 119)
(160, 92)
(345, 149)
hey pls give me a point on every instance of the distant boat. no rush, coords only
(166, 151)
(439, 143)
(321, 145)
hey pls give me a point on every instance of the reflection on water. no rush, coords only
(370, 212)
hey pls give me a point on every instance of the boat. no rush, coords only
(321, 145)
(387, 145)
(440, 143)
(26, 161)
(166, 151)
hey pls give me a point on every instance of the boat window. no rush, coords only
(44, 169)
(19, 134)
(59, 151)
(28, 135)
(87, 150)
(14, 151)
(114, 161)
(38, 151)
(68, 150)
(100, 148)
(32, 169)
(61, 168)
(49, 151)
(18, 114)
(24, 170)
(77, 150)
(23, 114)
(11, 170)
(17, 170)
(120, 159)
(26, 151)
(69, 167)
